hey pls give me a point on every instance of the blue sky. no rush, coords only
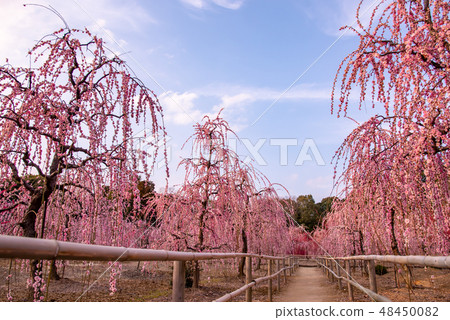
(241, 55)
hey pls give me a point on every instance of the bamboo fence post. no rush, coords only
(290, 265)
(363, 268)
(349, 274)
(269, 273)
(248, 278)
(338, 271)
(178, 282)
(331, 268)
(284, 271)
(372, 276)
(278, 276)
(327, 265)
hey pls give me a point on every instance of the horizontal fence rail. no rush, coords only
(32, 248)
(424, 261)
(14, 247)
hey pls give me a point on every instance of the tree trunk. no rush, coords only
(196, 279)
(394, 243)
(364, 271)
(244, 250)
(396, 251)
(28, 224)
(53, 272)
(258, 264)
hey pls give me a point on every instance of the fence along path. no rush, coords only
(338, 268)
(31, 248)
(45, 249)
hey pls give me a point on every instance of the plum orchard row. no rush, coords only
(395, 179)
(73, 168)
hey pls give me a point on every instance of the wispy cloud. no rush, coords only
(179, 107)
(21, 27)
(321, 182)
(233, 5)
(338, 13)
(204, 4)
(234, 100)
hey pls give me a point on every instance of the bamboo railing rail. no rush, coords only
(425, 261)
(46, 249)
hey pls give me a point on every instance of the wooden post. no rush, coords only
(331, 268)
(290, 265)
(328, 272)
(338, 272)
(269, 273)
(372, 276)
(278, 276)
(284, 271)
(349, 273)
(248, 278)
(178, 281)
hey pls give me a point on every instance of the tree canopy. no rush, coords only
(396, 164)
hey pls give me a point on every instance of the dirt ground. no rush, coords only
(217, 279)
(154, 284)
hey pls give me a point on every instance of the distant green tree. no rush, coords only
(309, 213)
(325, 206)
(306, 211)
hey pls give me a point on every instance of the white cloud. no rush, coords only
(199, 4)
(179, 107)
(19, 32)
(321, 182)
(21, 27)
(234, 98)
(203, 4)
(233, 5)
(184, 108)
(338, 13)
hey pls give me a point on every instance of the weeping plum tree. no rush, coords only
(396, 164)
(67, 134)
(219, 206)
